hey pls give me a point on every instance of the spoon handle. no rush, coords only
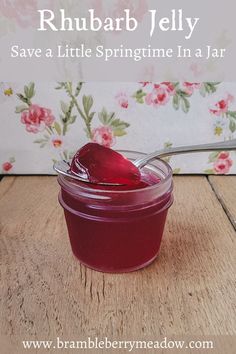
(223, 145)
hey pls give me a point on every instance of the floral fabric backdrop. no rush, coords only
(42, 123)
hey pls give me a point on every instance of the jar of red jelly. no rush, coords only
(116, 230)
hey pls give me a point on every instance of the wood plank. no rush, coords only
(46, 293)
(225, 189)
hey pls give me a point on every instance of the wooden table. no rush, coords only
(189, 290)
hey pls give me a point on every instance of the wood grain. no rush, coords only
(225, 189)
(46, 293)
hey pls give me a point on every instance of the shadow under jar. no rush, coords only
(113, 230)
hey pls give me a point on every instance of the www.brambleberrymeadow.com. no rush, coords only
(127, 345)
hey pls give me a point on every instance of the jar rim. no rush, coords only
(85, 187)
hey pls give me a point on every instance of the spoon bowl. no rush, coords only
(63, 168)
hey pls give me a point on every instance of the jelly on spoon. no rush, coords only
(99, 164)
(96, 164)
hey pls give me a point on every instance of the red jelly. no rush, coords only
(118, 229)
(99, 164)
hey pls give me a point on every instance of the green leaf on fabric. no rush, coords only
(213, 156)
(176, 102)
(23, 98)
(232, 125)
(31, 90)
(87, 103)
(20, 109)
(103, 116)
(139, 96)
(39, 141)
(64, 107)
(117, 125)
(183, 93)
(72, 119)
(119, 132)
(185, 105)
(209, 172)
(168, 144)
(208, 88)
(57, 128)
(202, 91)
(231, 114)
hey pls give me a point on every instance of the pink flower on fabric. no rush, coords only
(145, 83)
(223, 165)
(103, 136)
(23, 12)
(160, 94)
(7, 166)
(158, 97)
(223, 155)
(37, 118)
(122, 100)
(190, 87)
(222, 106)
(168, 86)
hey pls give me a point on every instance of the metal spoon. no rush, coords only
(223, 145)
(63, 167)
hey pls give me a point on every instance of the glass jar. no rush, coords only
(117, 231)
